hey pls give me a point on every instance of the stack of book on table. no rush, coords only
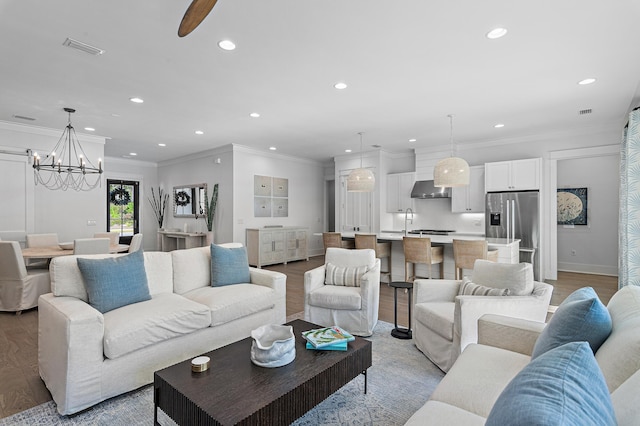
(328, 338)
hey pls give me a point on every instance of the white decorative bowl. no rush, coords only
(66, 246)
(273, 345)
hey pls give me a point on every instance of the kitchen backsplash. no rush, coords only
(436, 214)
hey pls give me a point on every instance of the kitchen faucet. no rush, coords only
(406, 214)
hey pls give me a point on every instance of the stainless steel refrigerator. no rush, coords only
(516, 215)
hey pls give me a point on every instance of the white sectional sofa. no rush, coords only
(472, 386)
(85, 356)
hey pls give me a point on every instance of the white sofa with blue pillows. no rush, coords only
(525, 372)
(86, 356)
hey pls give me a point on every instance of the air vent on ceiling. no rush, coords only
(376, 146)
(87, 48)
(585, 111)
(22, 117)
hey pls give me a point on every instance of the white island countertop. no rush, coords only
(439, 239)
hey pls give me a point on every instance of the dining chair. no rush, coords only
(136, 243)
(466, 252)
(19, 287)
(114, 237)
(91, 245)
(383, 250)
(420, 250)
(40, 240)
(334, 239)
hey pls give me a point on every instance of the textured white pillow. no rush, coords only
(469, 288)
(348, 276)
(517, 277)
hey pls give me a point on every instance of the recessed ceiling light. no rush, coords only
(162, 144)
(340, 86)
(254, 115)
(347, 150)
(90, 129)
(496, 33)
(136, 100)
(499, 125)
(412, 140)
(272, 148)
(587, 81)
(133, 154)
(226, 45)
(199, 132)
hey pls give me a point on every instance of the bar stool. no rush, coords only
(370, 241)
(420, 250)
(466, 252)
(334, 239)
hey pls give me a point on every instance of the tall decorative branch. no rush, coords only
(210, 207)
(158, 204)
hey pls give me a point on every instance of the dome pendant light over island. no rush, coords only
(361, 180)
(452, 171)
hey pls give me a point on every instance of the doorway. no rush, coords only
(331, 205)
(123, 208)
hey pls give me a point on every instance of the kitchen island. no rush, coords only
(508, 250)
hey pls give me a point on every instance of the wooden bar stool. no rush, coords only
(465, 254)
(420, 250)
(370, 241)
(334, 239)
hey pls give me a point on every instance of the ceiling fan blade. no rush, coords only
(197, 11)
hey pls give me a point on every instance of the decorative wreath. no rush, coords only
(120, 197)
(182, 198)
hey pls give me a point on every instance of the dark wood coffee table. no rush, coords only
(235, 391)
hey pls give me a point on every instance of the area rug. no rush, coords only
(398, 384)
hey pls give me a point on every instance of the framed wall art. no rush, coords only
(270, 196)
(572, 206)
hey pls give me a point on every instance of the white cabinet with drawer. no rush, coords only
(267, 246)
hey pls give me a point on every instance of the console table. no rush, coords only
(175, 240)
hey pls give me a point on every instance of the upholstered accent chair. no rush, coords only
(91, 245)
(446, 312)
(19, 287)
(345, 291)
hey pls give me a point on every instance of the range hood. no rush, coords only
(424, 189)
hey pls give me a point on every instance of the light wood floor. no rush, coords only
(21, 387)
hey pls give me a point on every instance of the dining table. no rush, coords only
(49, 252)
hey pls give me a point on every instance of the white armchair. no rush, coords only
(19, 287)
(354, 308)
(446, 322)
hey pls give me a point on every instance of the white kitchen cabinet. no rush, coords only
(266, 246)
(516, 175)
(470, 198)
(399, 186)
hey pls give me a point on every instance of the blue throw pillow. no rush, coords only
(229, 266)
(563, 386)
(115, 281)
(581, 317)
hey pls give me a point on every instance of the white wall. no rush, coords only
(63, 212)
(203, 167)
(596, 244)
(306, 192)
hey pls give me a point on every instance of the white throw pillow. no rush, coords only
(517, 277)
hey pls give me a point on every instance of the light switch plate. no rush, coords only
(91, 223)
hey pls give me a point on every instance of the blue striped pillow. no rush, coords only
(349, 276)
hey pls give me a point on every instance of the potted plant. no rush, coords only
(210, 211)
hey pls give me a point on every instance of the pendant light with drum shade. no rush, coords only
(361, 180)
(452, 171)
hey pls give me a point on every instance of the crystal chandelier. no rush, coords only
(78, 173)
(452, 171)
(361, 180)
